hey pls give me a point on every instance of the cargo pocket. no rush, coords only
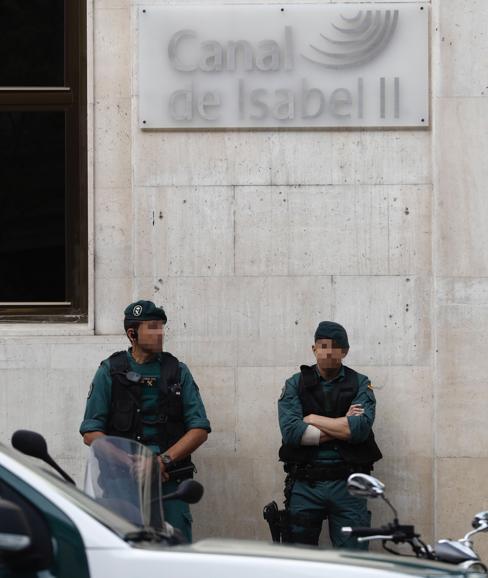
(123, 416)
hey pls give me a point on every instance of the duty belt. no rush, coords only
(323, 472)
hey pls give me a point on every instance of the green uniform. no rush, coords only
(97, 416)
(310, 503)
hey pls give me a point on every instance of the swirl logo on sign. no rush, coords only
(360, 39)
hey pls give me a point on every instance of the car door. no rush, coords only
(57, 548)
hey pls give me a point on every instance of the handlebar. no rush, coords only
(398, 533)
(375, 537)
(360, 531)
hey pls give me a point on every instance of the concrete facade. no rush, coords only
(249, 239)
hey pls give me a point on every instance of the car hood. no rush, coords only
(403, 564)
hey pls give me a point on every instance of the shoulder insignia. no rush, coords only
(90, 391)
(370, 385)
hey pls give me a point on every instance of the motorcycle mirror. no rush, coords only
(188, 491)
(30, 443)
(481, 519)
(362, 485)
(33, 444)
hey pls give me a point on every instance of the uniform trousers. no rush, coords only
(176, 512)
(312, 502)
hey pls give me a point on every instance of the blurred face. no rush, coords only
(328, 355)
(150, 336)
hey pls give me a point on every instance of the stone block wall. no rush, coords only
(460, 308)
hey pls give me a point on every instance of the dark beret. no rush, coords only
(331, 330)
(144, 311)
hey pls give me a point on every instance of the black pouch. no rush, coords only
(175, 403)
(175, 429)
(123, 416)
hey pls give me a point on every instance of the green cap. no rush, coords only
(144, 311)
(334, 331)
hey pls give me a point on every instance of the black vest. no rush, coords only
(127, 417)
(332, 403)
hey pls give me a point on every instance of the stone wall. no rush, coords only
(460, 307)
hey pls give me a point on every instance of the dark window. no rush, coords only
(43, 205)
(32, 43)
(32, 197)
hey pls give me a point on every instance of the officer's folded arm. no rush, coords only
(336, 427)
(360, 427)
(313, 436)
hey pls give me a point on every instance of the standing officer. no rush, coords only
(148, 395)
(326, 413)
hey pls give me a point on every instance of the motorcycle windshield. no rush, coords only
(124, 476)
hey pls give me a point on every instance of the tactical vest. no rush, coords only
(127, 416)
(331, 403)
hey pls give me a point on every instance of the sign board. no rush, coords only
(291, 66)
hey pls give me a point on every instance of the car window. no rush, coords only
(39, 556)
(57, 548)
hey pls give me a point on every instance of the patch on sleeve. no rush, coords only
(90, 391)
(283, 391)
(370, 385)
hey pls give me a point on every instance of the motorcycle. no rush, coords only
(459, 552)
(123, 476)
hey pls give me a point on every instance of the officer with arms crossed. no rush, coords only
(326, 413)
(147, 395)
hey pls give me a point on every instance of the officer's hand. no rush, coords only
(355, 409)
(164, 473)
(140, 467)
(309, 419)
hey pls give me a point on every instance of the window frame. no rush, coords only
(72, 100)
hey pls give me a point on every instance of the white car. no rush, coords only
(73, 536)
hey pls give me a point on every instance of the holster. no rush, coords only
(184, 473)
(278, 522)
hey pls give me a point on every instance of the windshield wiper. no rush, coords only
(146, 535)
(153, 535)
